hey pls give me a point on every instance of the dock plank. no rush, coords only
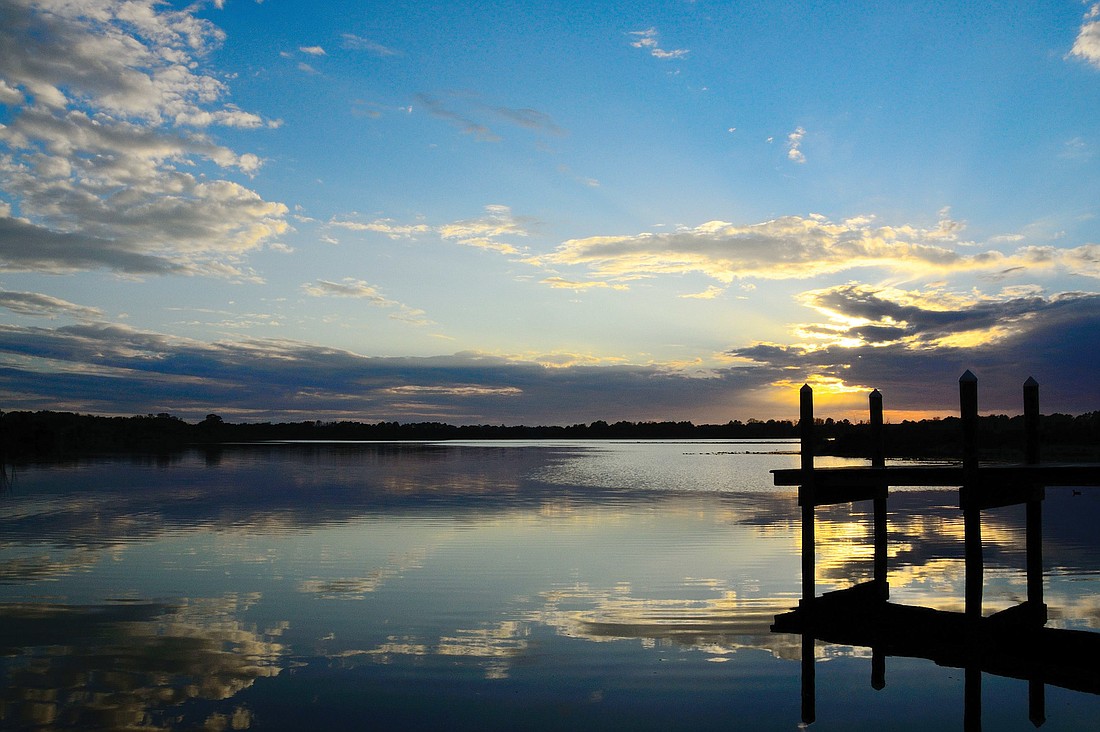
(1077, 474)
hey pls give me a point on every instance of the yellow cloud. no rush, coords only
(800, 247)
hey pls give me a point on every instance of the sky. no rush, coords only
(547, 213)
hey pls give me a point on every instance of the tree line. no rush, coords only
(40, 434)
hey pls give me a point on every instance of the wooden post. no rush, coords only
(1031, 421)
(878, 449)
(878, 460)
(968, 411)
(972, 512)
(1034, 521)
(806, 491)
(806, 427)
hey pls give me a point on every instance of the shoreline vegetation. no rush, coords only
(42, 435)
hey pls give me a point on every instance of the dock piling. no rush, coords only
(806, 490)
(878, 460)
(969, 498)
(1034, 520)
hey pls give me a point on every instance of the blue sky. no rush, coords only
(546, 213)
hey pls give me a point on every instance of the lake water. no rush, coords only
(561, 585)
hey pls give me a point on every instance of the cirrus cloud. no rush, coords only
(360, 290)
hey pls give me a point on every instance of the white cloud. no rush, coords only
(794, 145)
(1087, 44)
(648, 39)
(133, 60)
(487, 232)
(313, 50)
(109, 106)
(10, 95)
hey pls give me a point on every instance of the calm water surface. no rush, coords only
(565, 585)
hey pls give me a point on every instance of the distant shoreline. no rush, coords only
(44, 434)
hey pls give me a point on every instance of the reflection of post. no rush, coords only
(878, 460)
(1036, 702)
(972, 512)
(806, 490)
(878, 669)
(972, 699)
(809, 679)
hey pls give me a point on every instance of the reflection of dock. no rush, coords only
(1015, 642)
(1002, 644)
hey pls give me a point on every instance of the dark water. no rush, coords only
(485, 586)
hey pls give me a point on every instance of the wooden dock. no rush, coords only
(1014, 642)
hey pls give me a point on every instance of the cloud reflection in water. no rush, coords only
(504, 564)
(129, 665)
